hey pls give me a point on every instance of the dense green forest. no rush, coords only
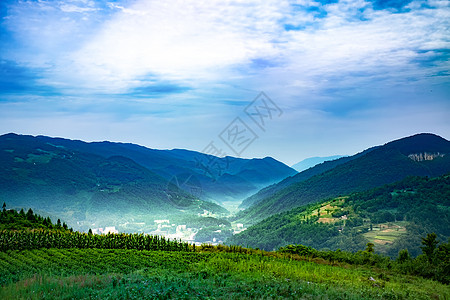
(393, 217)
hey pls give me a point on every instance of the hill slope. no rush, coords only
(419, 155)
(393, 217)
(299, 177)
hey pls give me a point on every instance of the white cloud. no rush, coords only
(323, 76)
(183, 40)
(199, 42)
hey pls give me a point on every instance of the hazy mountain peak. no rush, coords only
(312, 161)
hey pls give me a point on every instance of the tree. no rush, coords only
(403, 256)
(370, 248)
(58, 223)
(429, 245)
(30, 215)
(4, 206)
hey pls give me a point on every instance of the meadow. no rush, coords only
(209, 273)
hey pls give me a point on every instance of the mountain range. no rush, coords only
(102, 184)
(105, 183)
(420, 155)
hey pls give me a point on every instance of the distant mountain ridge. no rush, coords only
(299, 177)
(105, 183)
(219, 178)
(312, 161)
(368, 169)
(83, 187)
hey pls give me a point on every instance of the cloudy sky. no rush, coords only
(337, 76)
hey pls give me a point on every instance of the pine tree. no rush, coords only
(429, 245)
(30, 215)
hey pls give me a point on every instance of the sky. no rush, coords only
(286, 79)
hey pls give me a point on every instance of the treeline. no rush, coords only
(11, 219)
(434, 262)
(27, 230)
(41, 238)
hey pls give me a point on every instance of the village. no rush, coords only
(183, 232)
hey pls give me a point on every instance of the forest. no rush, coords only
(393, 217)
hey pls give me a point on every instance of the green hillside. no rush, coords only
(418, 155)
(299, 177)
(392, 217)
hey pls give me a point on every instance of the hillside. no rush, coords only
(418, 155)
(45, 260)
(393, 217)
(87, 189)
(215, 179)
(299, 177)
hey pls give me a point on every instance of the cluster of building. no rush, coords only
(174, 231)
(111, 229)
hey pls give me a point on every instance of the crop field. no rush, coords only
(386, 233)
(205, 274)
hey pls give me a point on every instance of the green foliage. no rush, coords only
(403, 256)
(370, 169)
(36, 239)
(133, 274)
(416, 205)
(438, 269)
(429, 245)
(370, 248)
(13, 220)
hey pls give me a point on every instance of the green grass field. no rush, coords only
(386, 233)
(133, 274)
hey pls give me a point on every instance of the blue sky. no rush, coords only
(340, 76)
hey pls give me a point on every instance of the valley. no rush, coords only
(356, 225)
(116, 187)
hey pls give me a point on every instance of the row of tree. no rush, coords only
(20, 220)
(41, 238)
(434, 262)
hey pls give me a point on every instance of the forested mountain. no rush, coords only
(299, 177)
(215, 179)
(85, 188)
(418, 155)
(392, 217)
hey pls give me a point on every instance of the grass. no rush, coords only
(386, 233)
(132, 274)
